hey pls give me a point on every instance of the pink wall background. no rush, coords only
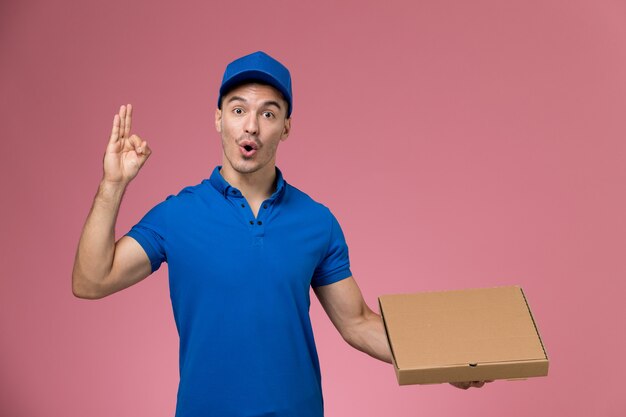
(460, 144)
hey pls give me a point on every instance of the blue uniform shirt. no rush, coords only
(239, 287)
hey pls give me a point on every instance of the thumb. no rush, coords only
(142, 148)
(135, 142)
(143, 151)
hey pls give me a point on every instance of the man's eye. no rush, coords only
(268, 114)
(238, 110)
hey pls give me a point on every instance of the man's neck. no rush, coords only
(255, 186)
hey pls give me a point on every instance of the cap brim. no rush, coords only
(251, 76)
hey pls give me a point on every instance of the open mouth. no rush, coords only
(248, 149)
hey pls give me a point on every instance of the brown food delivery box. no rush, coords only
(466, 335)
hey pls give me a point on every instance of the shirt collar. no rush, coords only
(223, 187)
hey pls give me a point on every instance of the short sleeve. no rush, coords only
(150, 233)
(335, 265)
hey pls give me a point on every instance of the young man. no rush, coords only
(243, 249)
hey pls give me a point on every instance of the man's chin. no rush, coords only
(246, 166)
(249, 167)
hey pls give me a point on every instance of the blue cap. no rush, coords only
(259, 67)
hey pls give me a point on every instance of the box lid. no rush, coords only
(462, 328)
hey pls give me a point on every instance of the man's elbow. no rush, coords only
(354, 331)
(369, 336)
(84, 288)
(86, 295)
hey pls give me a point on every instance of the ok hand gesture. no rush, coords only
(125, 153)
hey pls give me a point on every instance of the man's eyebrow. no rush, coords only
(273, 103)
(265, 103)
(235, 98)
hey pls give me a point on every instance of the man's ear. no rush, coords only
(218, 120)
(286, 129)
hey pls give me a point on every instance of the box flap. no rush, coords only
(465, 328)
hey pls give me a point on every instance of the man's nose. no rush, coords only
(252, 124)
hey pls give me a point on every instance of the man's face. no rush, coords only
(252, 123)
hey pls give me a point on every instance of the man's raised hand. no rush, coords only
(125, 153)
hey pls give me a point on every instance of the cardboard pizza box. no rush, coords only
(466, 335)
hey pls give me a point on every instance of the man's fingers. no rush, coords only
(115, 132)
(143, 148)
(469, 384)
(122, 121)
(135, 142)
(129, 115)
(145, 152)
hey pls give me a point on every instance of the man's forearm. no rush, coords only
(96, 247)
(369, 336)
